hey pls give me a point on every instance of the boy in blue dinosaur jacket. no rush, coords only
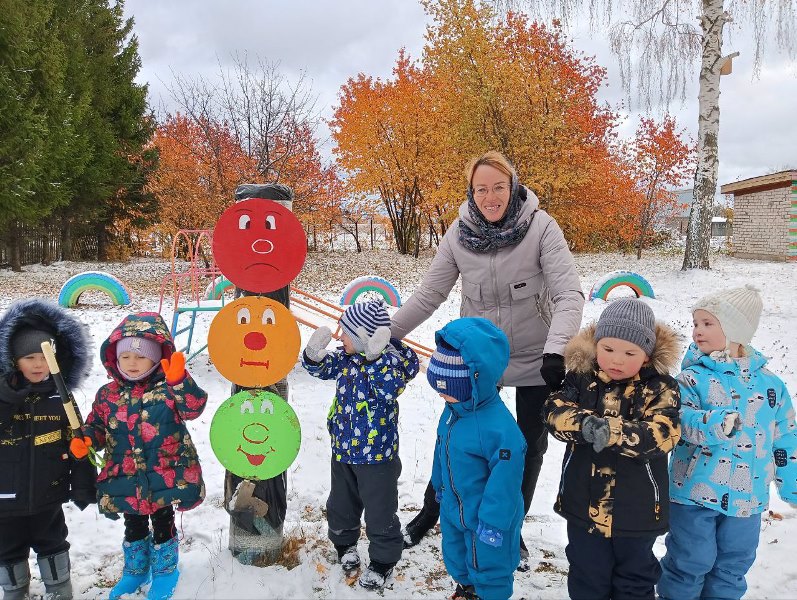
(37, 474)
(371, 371)
(478, 460)
(739, 436)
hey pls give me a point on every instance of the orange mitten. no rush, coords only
(174, 368)
(80, 448)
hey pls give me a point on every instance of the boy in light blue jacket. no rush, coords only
(478, 461)
(738, 435)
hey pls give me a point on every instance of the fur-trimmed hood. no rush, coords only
(72, 341)
(581, 351)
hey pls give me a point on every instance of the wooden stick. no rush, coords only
(66, 398)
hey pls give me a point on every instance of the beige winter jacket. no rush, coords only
(530, 290)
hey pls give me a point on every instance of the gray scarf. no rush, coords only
(502, 233)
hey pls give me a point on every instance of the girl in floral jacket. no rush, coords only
(151, 464)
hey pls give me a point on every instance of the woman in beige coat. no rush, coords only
(517, 271)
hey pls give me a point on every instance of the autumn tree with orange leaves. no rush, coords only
(384, 142)
(485, 83)
(200, 166)
(661, 161)
(273, 121)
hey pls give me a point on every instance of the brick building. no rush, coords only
(765, 216)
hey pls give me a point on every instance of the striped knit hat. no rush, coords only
(368, 315)
(448, 374)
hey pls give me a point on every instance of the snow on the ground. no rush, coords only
(208, 570)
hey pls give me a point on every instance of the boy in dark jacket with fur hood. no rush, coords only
(37, 474)
(618, 413)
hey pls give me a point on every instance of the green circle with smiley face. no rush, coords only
(255, 434)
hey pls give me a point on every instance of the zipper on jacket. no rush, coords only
(473, 545)
(657, 504)
(32, 454)
(450, 476)
(562, 482)
(496, 293)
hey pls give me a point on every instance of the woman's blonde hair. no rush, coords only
(494, 159)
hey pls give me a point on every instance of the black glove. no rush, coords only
(82, 498)
(553, 370)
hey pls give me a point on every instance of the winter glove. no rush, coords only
(174, 368)
(80, 447)
(553, 370)
(374, 346)
(82, 498)
(490, 536)
(596, 431)
(438, 495)
(731, 424)
(316, 345)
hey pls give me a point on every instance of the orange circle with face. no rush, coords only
(254, 341)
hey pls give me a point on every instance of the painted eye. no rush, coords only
(271, 222)
(247, 407)
(267, 406)
(244, 222)
(243, 316)
(268, 317)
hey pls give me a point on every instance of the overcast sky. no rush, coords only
(332, 41)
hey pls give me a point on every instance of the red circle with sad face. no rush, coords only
(259, 245)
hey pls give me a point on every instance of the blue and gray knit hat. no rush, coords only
(448, 374)
(368, 315)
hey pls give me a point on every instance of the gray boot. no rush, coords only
(54, 570)
(15, 580)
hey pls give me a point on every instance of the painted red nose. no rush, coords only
(254, 340)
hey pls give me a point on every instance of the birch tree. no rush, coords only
(656, 43)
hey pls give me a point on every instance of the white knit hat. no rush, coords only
(738, 310)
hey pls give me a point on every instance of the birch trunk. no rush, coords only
(698, 235)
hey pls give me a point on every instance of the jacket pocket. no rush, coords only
(10, 475)
(51, 481)
(656, 492)
(472, 304)
(526, 288)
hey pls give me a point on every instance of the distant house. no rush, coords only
(765, 216)
(680, 221)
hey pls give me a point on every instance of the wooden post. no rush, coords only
(255, 539)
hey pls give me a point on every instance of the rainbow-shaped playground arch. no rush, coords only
(217, 287)
(608, 282)
(92, 280)
(361, 285)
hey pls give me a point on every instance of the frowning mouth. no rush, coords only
(260, 264)
(253, 363)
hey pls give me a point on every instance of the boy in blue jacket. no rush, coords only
(739, 436)
(371, 372)
(478, 461)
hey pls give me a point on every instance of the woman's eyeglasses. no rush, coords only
(499, 189)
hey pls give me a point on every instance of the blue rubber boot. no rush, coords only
(163, 559)
(136, 571)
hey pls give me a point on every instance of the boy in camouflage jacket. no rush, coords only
(618, 413)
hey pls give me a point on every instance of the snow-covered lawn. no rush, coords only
(207, 567)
